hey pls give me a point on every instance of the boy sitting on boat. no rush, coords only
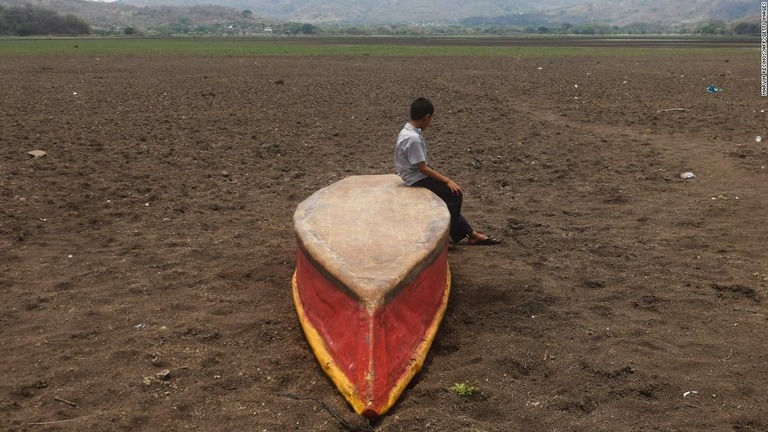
(412, 167)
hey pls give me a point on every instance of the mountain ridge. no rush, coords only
(619, 12)
(119, 14)
(249, 17)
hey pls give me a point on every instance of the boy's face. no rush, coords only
(426, 121)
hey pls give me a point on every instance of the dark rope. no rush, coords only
(342, 421)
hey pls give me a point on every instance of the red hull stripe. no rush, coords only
(371, 355)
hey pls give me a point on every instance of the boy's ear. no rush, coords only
(422, 120)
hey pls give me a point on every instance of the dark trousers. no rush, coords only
(460, 228)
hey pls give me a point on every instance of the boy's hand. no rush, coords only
(429, 172)
(455, 188)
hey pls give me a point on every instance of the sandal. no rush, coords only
(486, 242)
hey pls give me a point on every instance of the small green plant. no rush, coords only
(463, 389)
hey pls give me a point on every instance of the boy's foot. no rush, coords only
(479, 239)
(485, 241)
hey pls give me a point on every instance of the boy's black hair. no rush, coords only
(420, 108)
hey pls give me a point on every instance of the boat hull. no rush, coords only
(371, 354)
(371, 283)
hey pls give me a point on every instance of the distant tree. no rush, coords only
(592, 29)
(246, 13)
(354, 31)
(585, 29)
(181, 26)
(307, 29)
(712, 28)
(75, 25)
(745, 28)
(129, 31)
(3, 23)
(34, 20)
(27, 29)
(292, 28)
(163, 29)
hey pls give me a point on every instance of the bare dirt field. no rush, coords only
(146, 260)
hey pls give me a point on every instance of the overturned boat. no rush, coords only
(371, 283)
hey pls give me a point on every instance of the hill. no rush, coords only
(377, 11)
(102, 15)
(249, 17)
(625, 12)
(619, 12)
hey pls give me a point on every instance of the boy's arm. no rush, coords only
(429, 172)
